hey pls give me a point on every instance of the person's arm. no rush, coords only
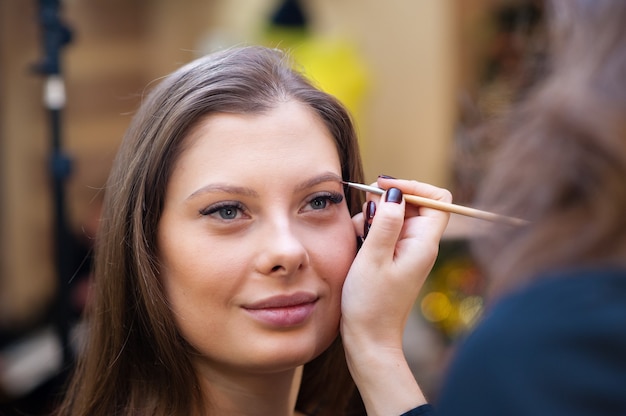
(379, 293)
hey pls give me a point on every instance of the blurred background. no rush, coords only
(421, 78)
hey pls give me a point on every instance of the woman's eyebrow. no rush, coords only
(245, 191)
(224, 188)
(324, 177)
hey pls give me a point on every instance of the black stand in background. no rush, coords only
(55, 36)
(48, 390)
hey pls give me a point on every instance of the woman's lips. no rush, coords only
(283, 310)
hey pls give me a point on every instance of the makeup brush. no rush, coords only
(444, 206)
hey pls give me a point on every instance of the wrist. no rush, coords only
(385, 380)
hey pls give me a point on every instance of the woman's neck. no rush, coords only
(249, 394)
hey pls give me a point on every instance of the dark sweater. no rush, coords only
(556, 348)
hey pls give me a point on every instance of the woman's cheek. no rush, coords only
(339, 255)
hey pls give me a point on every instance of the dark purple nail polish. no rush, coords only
(370, 211)
(386, 177)
(393, 195)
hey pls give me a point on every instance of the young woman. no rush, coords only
(225, 265)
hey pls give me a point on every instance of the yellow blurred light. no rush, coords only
(436, 306)
(470, 309)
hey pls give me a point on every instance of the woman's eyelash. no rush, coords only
(226, 205)
(332, 197)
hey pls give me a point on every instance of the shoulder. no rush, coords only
(568, 304)
(560, 336)
(576, 304)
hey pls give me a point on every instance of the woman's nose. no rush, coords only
(281, 251)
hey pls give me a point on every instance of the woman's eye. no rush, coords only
(224, 211)
(320, 202)
(227, 213)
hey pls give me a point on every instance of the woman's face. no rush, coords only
(255, 239)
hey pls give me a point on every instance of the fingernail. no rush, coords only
(386, 177)
(370, 211)
(393, 195)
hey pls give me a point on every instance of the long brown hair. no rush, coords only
(563, 164)
(135, 361)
